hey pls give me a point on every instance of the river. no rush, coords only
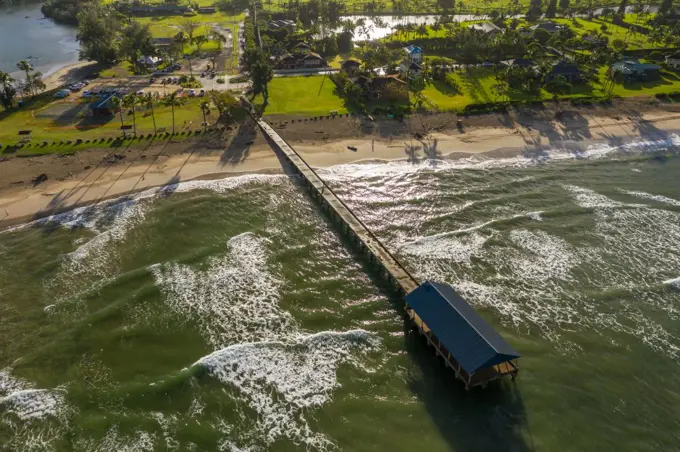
(229, 315)
(26, 35)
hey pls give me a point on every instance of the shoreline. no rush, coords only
(62, 74)
(99, 179)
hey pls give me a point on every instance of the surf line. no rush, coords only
(446, 320)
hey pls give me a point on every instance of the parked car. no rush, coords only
(152, 80)
(191, 92)
(140, 92)
(62, 93)
(201, 93)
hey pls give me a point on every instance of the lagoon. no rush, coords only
(26, 34)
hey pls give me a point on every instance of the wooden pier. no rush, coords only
(376, 252)
(465, 342)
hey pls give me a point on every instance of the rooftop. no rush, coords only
(472, 342)
(486, 27)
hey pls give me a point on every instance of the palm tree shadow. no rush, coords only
(239, 146)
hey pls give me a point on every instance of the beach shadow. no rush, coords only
(575, 126)
(431, 150)
(411, 152)
(647, 129)
(239, 146)
(487, 419)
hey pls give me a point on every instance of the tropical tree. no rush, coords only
(131, 101)
(172, 100)
(182, 39)
(261, 74)
(149, 100)
(204, 105)
(36, 82)
(98, 33)
(25, 66)
(136, 42)
(7, 90)
(217, 36)
(118, 105)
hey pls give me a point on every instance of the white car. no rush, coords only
(140, 92)
(191, 92)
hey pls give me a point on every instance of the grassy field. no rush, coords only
(68, 119)
(634, 40)
(309, 96)
(478, 87)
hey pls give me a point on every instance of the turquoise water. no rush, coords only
(230, 315)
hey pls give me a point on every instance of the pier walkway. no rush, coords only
(376, 251)
(464, 340)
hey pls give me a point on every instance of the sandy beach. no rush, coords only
(68, 74)
(92, 176)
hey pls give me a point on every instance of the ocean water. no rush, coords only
(230, 315)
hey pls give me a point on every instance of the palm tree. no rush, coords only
(149, 99)
(36, 82)
(173, 100)
(131, 101)
(25, 66)
(118, 104)
(182, 39)
(205, 109)
(7, 90)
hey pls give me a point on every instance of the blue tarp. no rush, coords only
(466, 335)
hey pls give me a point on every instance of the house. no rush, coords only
(312, 60)
(206, 10)
(301, 47)
(386, 87)
(551, 27)
(297, 61)
(284, 23)
(673, 61)
(595, 40)
(486, 27)
(414, 54)
(350, 66)
(160, 10)
(148, 60)
(634, 70)
(518, 62)
(570, 71)
(160, 43)
(105, 107)
(285, 61)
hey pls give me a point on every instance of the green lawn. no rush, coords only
(309, 96)
(478, 87)
(635, 41)
(57, 120)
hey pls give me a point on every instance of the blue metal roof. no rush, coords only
(464, 333)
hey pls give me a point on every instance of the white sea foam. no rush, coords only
(34, 417)
(459, 248)
(657, 198)
(236, 299)
(19, 398)
(114, 441)
(480, 162)
(590, 199)
(673, 282)
(545, 256)
(282, 381)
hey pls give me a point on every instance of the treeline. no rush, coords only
(64, 11)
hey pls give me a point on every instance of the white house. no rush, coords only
(673, 61)
(414, 54)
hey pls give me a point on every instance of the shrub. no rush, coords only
(220, 80)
